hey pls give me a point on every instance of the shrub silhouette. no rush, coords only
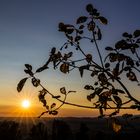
(122, 61)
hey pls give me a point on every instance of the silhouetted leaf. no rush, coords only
(125, 34)
(81, 26)
(89, 87)
(53, 105)
(42, 68)
(118, 101)
(63, 90)
(57, 97)
(89, 98)
(28, 66)
(82, 68)
(81, 19)
(64, 68)
(120, 91)
(131, 75)
(62, 27)
(122, 44)
(89, 58)
(21, 84)
(35, 82)
(54, 112)
(103, 20)
(107, 65)
(53, 50)
(136, 33)
(89, 8)
(109, 48)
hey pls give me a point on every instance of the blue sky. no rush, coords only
(29, 28)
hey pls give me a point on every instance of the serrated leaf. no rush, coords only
(21, 84)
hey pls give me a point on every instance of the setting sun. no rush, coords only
(25, 103)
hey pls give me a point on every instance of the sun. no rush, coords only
(25, 103)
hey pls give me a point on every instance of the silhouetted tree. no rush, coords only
(122, 60)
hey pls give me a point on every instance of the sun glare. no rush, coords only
(25, 103)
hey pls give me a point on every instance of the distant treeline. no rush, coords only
(11, 130)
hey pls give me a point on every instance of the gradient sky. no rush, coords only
(28, 30)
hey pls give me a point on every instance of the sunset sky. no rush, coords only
(28, 31)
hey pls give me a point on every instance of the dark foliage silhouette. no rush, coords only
(61, 130)
(122, 61)
(83, 132)
(38, 132)
(9, 130)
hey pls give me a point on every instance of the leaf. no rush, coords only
(125, 34)
(88, 58)
(57, 97)
(122, 44)
(21, 84)
(53, 105)
(88, 98)
(63, 90)
(103, 20)
(35, 82)
(120, 91)
(89, 8)
(118, 101)
(81, 69)
(42, 68)
(64, 68)
(54, 112)
(81, 26)
(136, 33)
(89, 87)
(109, 49)
(81, 19)
(28, 66)
(62, 27)
(53, 50)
